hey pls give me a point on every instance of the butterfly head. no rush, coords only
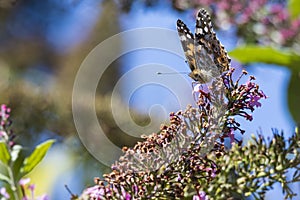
(196, 76)
(201, 76)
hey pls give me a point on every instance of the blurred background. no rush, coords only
(43, 43)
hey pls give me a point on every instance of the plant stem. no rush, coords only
(12, 183)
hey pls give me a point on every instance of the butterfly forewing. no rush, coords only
(187, 42)
(205, 54)
(205, 35)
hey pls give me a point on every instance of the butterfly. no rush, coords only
(206, 56)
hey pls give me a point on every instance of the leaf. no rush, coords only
(4, 153)
(294, 96)
(4, 178)
(294, 8)
(36, 157)
(269, 55)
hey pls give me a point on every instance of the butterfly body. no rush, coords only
(206, 56)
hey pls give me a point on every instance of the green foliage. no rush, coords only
(294, 96)
(4, 154)
(36, 157)
(269, 55)
(255, 167)
(294, 8)
(4, 178)
(11, 172)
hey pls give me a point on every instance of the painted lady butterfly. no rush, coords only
(205, 55)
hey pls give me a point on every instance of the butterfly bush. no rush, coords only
(193, 157)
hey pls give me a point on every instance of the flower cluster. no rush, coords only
(258, 21)
(25, 186)
(6, 134)
(162, 166)
(242, 98)
(181, 160)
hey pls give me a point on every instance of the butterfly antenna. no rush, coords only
(170, 73)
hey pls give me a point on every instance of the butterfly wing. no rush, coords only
(210, 48)
(187, 42)
(205, 54)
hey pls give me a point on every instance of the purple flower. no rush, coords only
(2, 133)
(254, 101)
(211, 171)
(4, 112)
(196, 197)
(136, 189)
(276, 8)
(24, 181)
(179, 177)
(31, 187)
(4, 193)
(95, 192)
(200, 196)
(295, 24)
(223, 5)
(126, 195)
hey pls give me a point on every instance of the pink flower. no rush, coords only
(3, 107)
(4, 193)
(31, 187)
(24, 181)
(200, 196)
(2, 133)
(276, 8)
(295, 24)
(126, 195)
(95, 192)
(254, 101)
(223, 5)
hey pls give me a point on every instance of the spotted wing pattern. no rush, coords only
(205, 55)
(187, 41)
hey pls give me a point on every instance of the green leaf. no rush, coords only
(294, 96)
(4, 153)
(294, 8)
(4, 178)
(269, 55)
(36, 157)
